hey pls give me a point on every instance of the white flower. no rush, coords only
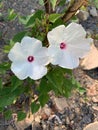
(67, 45)
(29, 59)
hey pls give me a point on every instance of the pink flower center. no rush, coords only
(63, 45)
(30, 58)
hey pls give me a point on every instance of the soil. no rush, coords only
(81, 109)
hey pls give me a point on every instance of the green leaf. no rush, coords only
(34, 107)
(41, 2)
(54, 17)
(53, 2)
(62, 2)
(36, 15)
(1, 109)
(24, 19)
(19, 36)
(8, 114)
(61, 81)
(1, 86)
(7, 96)
(8, 47)
(67, 87)
(81, 90)
(56, 77)
(1, 4)
(11, 15)
(15, 82)
(43, 99)
(4, 67)
(57, 23)
(44, 86)
(7, 100)
(21, 115)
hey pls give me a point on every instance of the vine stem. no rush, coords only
(73, 9)
(48, 7)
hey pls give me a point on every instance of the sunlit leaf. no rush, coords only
(11, 14)
(54, 17)
(53, 2)
(36, 15)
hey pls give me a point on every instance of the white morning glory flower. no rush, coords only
(67, 45)
(29, 59)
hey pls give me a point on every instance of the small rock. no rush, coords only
(77, 110)
(67, 120)
(44, 127)
(32, 11)
(47, 111)
(71, 116)
(63, 127)
(92, 126)
(36, 126)
(93, 11)
(95, 108)
(82, 15)
(91, 60)
(95, 99)
(10, 128)
(60, 103)
(38, 119)
(57, 128)
(91, 91)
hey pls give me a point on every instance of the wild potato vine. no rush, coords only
(41, 59)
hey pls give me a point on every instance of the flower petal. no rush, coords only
(55, 54)
(62, 58)
(16, 53)
(37, 71)
(68, 60)
(72, 31)
(42, 56)
(56, 35)
(30, 45)
(65, 34)
(80, 47)
(20, 69)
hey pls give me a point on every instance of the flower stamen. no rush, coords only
(30, 58)
(63, 45)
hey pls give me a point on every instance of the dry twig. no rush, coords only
(48, 7)
(73, 9)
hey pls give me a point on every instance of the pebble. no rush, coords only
(38, 118)
(60, 103)
(95, 108)
(95, 99)
(92, 126)
(82, 15)
(93, 11)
